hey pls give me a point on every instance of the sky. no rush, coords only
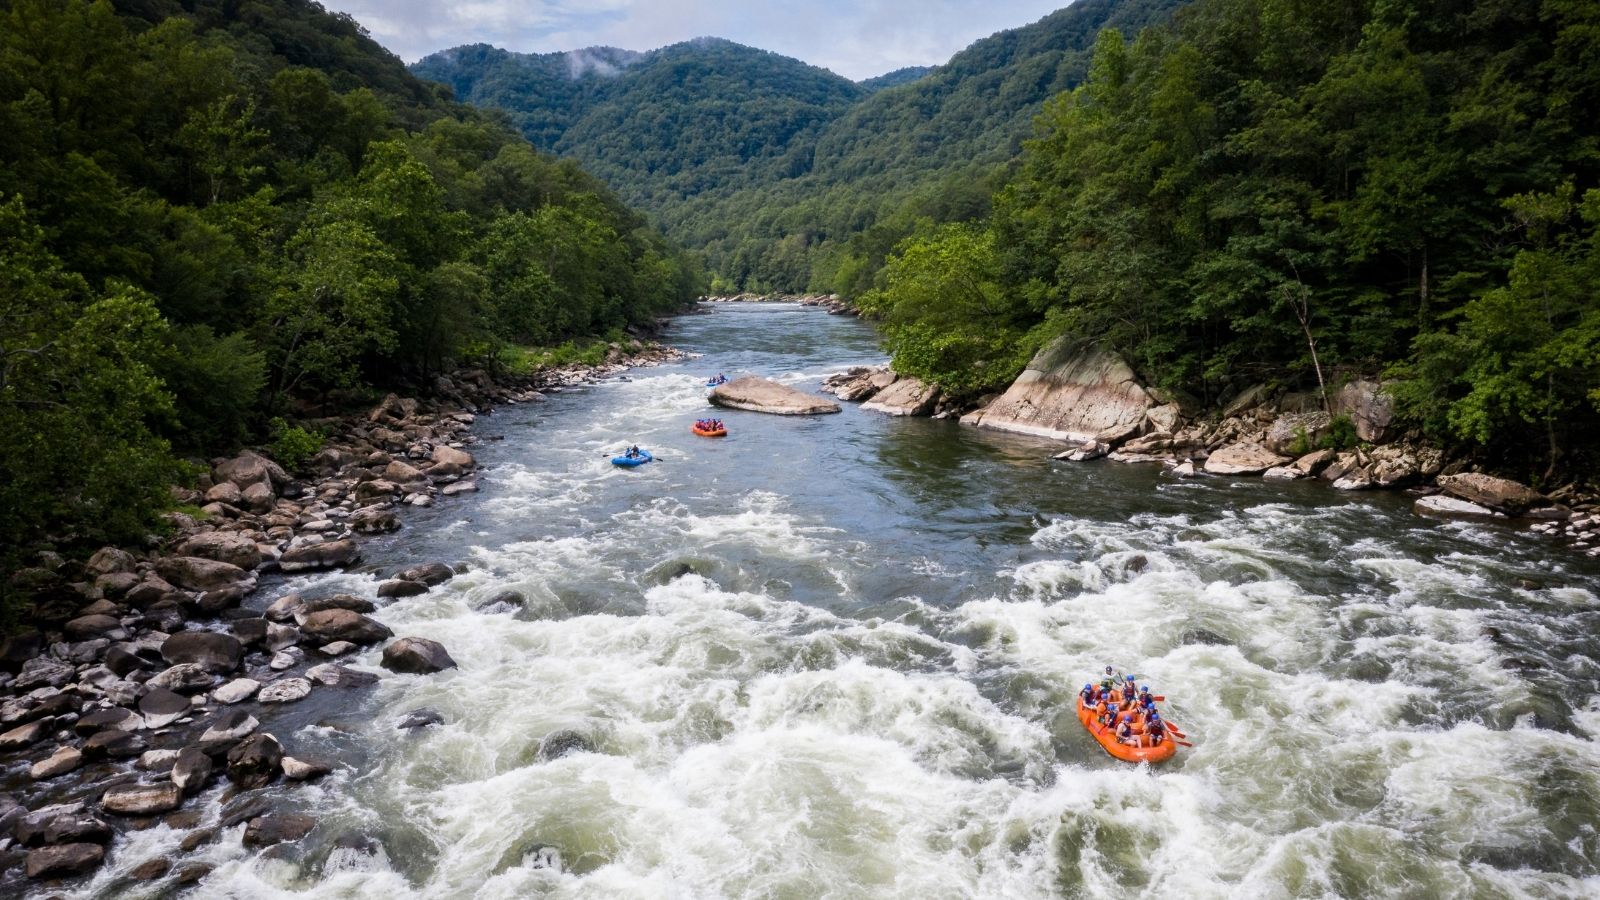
(855, 39)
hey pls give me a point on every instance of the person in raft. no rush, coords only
(633, 452)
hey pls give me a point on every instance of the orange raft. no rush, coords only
(708, 432)
(1124, 752)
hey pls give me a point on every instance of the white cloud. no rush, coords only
(857, 40)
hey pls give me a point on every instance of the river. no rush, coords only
(836, 657)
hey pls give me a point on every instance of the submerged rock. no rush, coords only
(767, 396)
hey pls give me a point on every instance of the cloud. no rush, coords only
(855, 39)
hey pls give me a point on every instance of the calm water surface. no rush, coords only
(835, 657)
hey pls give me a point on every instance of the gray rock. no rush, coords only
(459, 488)
(337, 601)
(1069, 392)
(230, 727)
(767, 396)
(417, 656)
(285, 691)
(194, 573)
(110, 561)
(1369, 408)
(336, 648)
(162, 707)
(64, 760)
(110, 719)
(63, 860)
(906, 397)
(157, 760)
(280, 637)
(430, 574)
(223, 546)
(326, 555)
(401, 588)
(420, 718)
(184, 678)
(443, 455)
(191, 770)
(210, 649)
(43, 671)
(285, 608)
(304, 770)
(331, 675)
(344, 625)
(255, 762)
(236, 691)
(1444, 505)
(276, 828)
(560, 743)
(1500, 494)
(113, 745)
(142, 799)
(1281, 473)
(1243, 459)
(25, 735)
(92, 626)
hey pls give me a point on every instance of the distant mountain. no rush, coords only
(772, 165)
(896, 78)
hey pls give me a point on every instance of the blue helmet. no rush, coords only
(1129, 678)
(1155, 716)
(1088, 687)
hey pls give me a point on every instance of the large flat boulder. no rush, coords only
(326, 555)
(1501, 494)
(1070, 392)
(1244, 459)
(907, 396)
(195, 573)
(223, 546)
(768, 396)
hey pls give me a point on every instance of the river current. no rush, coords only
(836, 657)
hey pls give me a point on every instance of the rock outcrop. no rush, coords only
(768, 396)
(906, 396)
(1072, 393)
(1499, 494)
(1244, 459)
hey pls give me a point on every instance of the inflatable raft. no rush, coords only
(1125, 752)
(708, 432)
(632, 461)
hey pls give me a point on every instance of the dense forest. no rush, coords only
(790, 177)
(1299, 190)
(212, 210)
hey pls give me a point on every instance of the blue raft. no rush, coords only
(632, 461)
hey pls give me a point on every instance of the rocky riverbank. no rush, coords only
(833, 303)
(1090, 400)
(144, 675)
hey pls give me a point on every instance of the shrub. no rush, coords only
(292, 445)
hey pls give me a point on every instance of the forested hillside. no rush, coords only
(1297, 190)
(788, 176)
(209, 210)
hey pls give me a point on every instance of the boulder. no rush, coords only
(1282, 473)
(285, 691)
(258, 498)
(1446, 505)
(255, 762)
(330, 675)
(64, 760)
(162, 707)
(111, 560)
(113, 744)
(417, 656)
(401, 588)
(337, 601)
(214, 651)
(63, 860)
(1369, 409)
(61, 824)
(42, 671)
(114, 718)
(1247, 399)
(420, 718)
(249, 468)
(142, 799)
(223, 546)
(906, 397)
(375, 520)
(344, 625)
(236, 691)
(1166, 417)
(1297, 433)
(1069, 392)
(326, 555)
(191, 770)
(157, 760)
(226, 492)
(1499, 494)
(93, 626)
(401, 472)
(196, 573)
(285, 608)
(1243, 459)
(443, 455)
(304, 769)
(276, 828)
(230, 727)
(25, 735)
(460, 487)
(430, 574)
(560, 743)
(768, 396)
(184, 678)
(1314, 462)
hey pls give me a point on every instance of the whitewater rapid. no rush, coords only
(836, 657)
